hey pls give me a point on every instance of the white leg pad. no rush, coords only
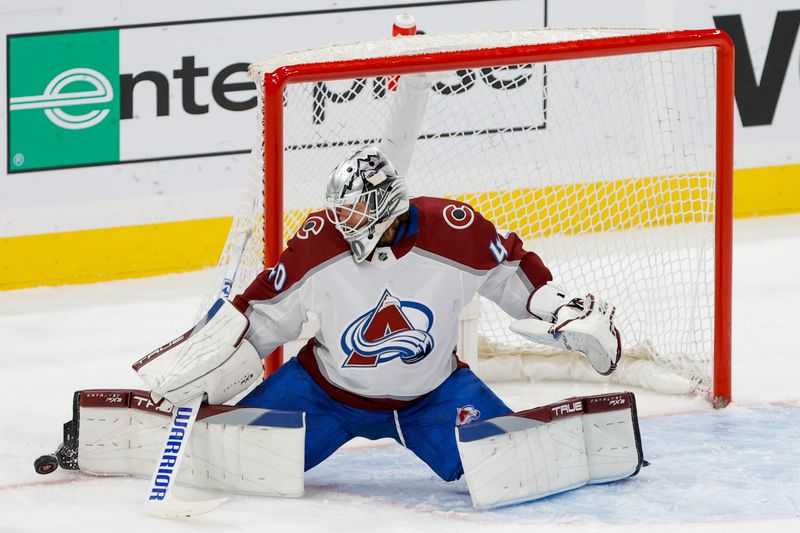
(238, 449)
(550, 449)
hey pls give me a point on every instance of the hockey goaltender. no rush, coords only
(387, 275)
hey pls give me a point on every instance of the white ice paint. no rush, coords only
(732, 470)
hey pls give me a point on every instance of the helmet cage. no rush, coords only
(356, 216)
(363, 198)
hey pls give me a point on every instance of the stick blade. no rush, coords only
(173, 508)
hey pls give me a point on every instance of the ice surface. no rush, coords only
(731, 470)
(726, 461)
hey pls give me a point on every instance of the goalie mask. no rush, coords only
(364, 196)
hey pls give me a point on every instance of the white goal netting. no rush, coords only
(604, 166)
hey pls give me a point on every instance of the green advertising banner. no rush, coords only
(63, 100)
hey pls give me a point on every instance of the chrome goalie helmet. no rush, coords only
(363, 198)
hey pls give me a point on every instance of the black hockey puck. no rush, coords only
(45, 464)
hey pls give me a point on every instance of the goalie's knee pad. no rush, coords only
(550, 449)
(241, 449)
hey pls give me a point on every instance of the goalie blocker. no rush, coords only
(546, 450)
(238, 449)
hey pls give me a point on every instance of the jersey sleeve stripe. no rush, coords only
(524, 278)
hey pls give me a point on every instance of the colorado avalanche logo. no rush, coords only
(394, 328)
(466, 414)
(458, 216)
(312, 226)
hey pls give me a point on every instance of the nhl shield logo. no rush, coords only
(394, 328)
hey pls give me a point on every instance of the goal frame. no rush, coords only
(275, 81)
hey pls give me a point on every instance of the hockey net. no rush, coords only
(606, 151)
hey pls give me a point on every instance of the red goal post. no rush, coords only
(418, 54)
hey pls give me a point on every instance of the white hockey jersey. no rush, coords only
(389, 325)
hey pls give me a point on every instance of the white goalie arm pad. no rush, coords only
(213, 358)
(239, 449)
(584, 325)
(543, 451)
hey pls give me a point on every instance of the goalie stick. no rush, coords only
(161, 501)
